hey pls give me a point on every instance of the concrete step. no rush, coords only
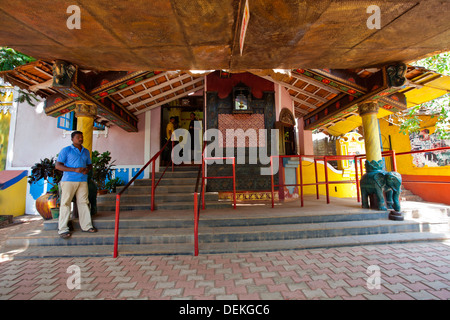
(176, 174)
(411, 198)
(31, 252)
(165, 181)
(231, 220)
(162, 205)
(159, 189)
(407, 195)
(327, 242)
(220, 234)
(193, 168)
(159, 197)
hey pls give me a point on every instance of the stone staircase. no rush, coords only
(407, 195)
(246, 229)
(175, 191)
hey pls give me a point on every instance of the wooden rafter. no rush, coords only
(164, 94)
(171, 99)
(154, 88)
(313, 82)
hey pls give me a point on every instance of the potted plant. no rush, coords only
(101, 169)
(112, 184)
(45, 169)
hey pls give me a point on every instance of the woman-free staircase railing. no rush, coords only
(358, 171)
(151, 161)
(197, 203)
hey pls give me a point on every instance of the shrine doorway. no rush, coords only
(286, 127)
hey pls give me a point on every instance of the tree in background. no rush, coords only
(440, 107)
(9, 59)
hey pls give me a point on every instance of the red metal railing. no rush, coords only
(357, 158)
(219, 177)
(197, 205)
(424, 151)
(325, 159)
(152, 160)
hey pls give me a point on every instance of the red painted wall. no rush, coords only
(224, 86)
(433, 192)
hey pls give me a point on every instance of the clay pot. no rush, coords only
(43, 205)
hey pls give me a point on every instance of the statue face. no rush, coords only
(62, 74)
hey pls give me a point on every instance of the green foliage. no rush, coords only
(439, 107)
(45, 169)
(30, 98)
(10, 58)
(439, 63)
(101, 168)
(112, 184)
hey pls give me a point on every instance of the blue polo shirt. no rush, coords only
(71, 157)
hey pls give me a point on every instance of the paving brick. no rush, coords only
(312, 294)
(354, 291)
(379, 296)
(87, 294)
(44, 296)
(443, 294)
(422, 295)
(335, 292)
(271, 296)
(400, 296)
(129, 294)
(436, 285)
(172, 292)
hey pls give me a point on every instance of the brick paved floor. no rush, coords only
(406, 271)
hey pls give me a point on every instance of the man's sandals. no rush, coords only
(67, 235)
(90, 230)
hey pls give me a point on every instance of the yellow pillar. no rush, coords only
(368, 112)
(85, 112)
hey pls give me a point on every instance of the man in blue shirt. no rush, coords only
(75, 162)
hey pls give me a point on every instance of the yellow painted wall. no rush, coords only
(401, 143)
(335, 190)
(5, 119)
(12, 199)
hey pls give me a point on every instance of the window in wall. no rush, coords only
(67, 121)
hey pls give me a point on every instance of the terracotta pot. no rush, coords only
(43, 205)
(102, 191)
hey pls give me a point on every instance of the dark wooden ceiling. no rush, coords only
(195, 34)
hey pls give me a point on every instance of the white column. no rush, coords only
(147, 142)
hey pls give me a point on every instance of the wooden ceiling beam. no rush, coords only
(140, 103)
(159, 75)
(157, 87)
(316, 83)
(181, 95)
(304, 102)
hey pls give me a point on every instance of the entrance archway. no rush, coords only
(286, 127)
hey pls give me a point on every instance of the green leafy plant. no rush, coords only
(102, 168)
(10, 59)
(45, 169)
(440, 107)
(112, 184)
